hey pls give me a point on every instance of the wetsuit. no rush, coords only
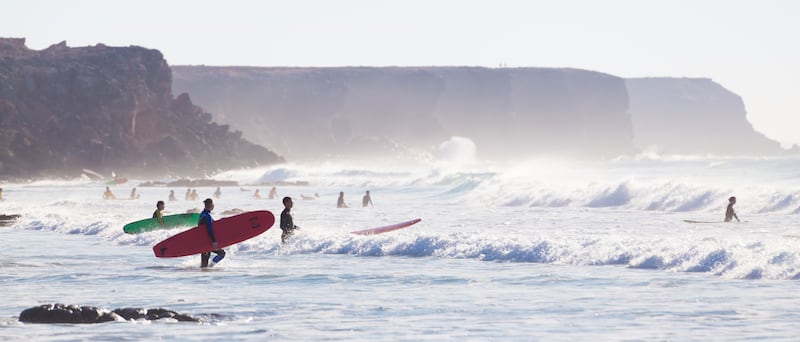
(287, 225)
(366, 201)
(157, 215)
(730, 214)
(206, 219)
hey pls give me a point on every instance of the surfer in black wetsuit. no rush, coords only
(172, 195)
(157, 214)
(730, 214)
(206, 219)
(367, 200)
(287, 222)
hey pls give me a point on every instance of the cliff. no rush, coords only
(306, 113)
(693, 115)
(107, 109)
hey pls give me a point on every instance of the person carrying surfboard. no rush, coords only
(206, 219)
(157, 214)
(287, 222)
(730, 214)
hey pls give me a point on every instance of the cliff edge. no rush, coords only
(65, 109)
(693, 116)
(307, 113)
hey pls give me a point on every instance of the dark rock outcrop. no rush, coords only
(693, 115)
(107, 109)
(7, 220)
(312, 112)
(62, 313)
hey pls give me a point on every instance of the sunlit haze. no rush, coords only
(748, 47)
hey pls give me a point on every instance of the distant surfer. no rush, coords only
(218, 193)
(206, 219)
(730, 214)
(134, 195)
(188, 195)
(1, 194)
(194, 195)
(157, 214)
(287, 222)
(273, 193)
(108, 195)
(367, 200)
(257, 194)
(172, 195)
(340, 202)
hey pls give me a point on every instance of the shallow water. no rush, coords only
(476, 267)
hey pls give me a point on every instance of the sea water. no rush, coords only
(538, 250)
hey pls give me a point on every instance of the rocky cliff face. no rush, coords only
(311, 112)
(692, 115)
(108, 109)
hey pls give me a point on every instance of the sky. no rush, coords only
(749, 47)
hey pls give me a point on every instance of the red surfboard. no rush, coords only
(228, 231)
(384, 229)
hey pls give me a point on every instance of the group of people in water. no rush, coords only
(287, 225)
(366, 201)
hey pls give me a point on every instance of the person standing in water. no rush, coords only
(157, 214)
(273, 193)
(340, 201)
(108, 195)
(730, 214)
(367, 200)
(257, 194)
(134, 195)
(208, 221)
(287, 221)
(172, 195)
(218, 193)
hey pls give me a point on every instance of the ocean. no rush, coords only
(537, 250)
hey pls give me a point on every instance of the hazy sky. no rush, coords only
(749, 47)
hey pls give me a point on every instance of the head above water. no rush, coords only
(209, 203)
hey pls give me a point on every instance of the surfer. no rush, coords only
(108, 195)
(273, 193)
(730, 214)
(287, 222)
(1, 194)
(206, 219)
(194, 195)
(157, 214)
(340, 202)
(134, 195)
(257, 194)
(217, 194)
(188, 195)
(172, 195)
(367, 200)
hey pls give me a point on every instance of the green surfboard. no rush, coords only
(170, 221)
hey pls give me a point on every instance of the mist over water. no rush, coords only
(551, 240)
